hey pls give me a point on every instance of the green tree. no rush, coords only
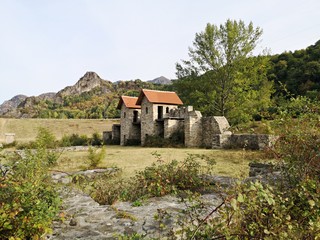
(222, 73)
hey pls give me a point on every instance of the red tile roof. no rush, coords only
(170, 98)
(129, 102)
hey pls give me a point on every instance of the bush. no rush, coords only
(28, 202)
(96, 139)
(256, 211)
(175, 140)
(157, 180)
(95, 156)
(74, 140)
(298, 147)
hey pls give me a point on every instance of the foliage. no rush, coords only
(254, 210)
(74, 140)
(299, 71)
(287, 210)
(175, 140)
(156, 180)
(96, 139)
(222, 77)
(95, 156)
(28, 202)
(160, 179)
(298, 147)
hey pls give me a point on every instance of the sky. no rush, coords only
(46, 45)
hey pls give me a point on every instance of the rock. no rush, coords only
(73, 222)
(93, 221)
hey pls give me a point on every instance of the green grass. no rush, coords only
(26, 129)
(232, 163)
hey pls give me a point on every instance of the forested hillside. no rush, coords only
(298, 71)
(90, 98)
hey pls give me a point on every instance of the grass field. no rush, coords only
(26, 129)
(130, 159)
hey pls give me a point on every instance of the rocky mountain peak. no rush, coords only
(161, 80)
(86, 83)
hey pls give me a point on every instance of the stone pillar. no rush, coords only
(193, 129)
(9, 137)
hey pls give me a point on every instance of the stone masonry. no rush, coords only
(159, 113)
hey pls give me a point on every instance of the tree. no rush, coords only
(222, 74)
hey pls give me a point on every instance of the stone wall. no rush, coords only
(130, 129)
(193, 129)
(9, 137)
(116, 128)
(171, 126)
(250, 141)
(179, 113)
(147, 120)
(210, 127)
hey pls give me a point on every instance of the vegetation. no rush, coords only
(232, 163)
(157, 180)
(28, 201)
(299, 71)
(96, 156)
(222, 77)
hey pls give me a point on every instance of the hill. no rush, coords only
(91, 97)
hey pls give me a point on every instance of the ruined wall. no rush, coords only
(172, 125)
(251, 141)
(116, 129)
(179, 113)
(212, 128)
(147, 120)
(130, 130)
(193, 129)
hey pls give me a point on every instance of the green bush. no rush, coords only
(28, 202)
(95, 156)
(257, 211)
(175, 140)
(96, 139)
(74, 140)
(157, 180)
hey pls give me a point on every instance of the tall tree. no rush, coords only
(222, 73)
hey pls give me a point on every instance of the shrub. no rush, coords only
(157, 180)
(298, 147)
(74, 140)
(175, 140)
(253, 210)
(96, 139)
(95, 156)
(164, 178)
(28, 202)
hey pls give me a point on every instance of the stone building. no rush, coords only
(155, 109)
(130, 127)
(160, 113)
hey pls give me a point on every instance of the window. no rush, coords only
(147, 110)
(160, 112)
(135, 116)
(124, 115)
(167, 110)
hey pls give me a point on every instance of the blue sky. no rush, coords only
(46, 45)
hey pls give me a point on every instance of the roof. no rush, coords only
(129, 102)
(164, 97)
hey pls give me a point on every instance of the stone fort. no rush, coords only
(160, 113)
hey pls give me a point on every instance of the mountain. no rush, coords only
(12, 104)
(86, 83)
(161, 80)
(89, 97)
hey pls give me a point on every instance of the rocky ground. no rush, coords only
(86, 219)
